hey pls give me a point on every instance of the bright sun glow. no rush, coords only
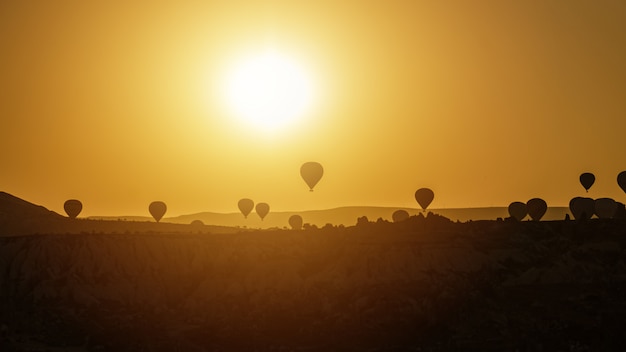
(268, 91)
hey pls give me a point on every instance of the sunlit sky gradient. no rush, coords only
(115, 103)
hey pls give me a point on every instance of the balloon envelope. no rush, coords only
(518, 210)
(72, 207)
(537, 207)
(295, 221)
(621, 180)
(262, 209)
(311, 173)
(582, 207)
(157, 210)
(605, 208)
(245, 206)
(424, 196)
(620, 212)
(400, 215)
(587, 179)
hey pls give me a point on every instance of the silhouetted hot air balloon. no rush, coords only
(518, 210)
(72, 207)
(400, 215)
(157, 209)
(582, 208)
(620, 213)
(621, 180)
(295, 221)
(605, 208)
(311, 173)
(197, 223)
(262, 209)
(424, 196)
(537, 207)
(587, 179)
(245, 206)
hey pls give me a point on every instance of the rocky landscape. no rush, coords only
(426, 284)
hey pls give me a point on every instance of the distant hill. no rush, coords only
(20, 217)
(344, 215)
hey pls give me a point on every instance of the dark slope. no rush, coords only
(17, 208)
(18, 216)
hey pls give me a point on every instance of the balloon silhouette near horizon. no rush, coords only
(295, 221)
(605, 208)
(311, 173)
(621, 180)
(518, 210)
(424, 196)
(197, 223)
(245, 206)
(262, 209)
(582, 208)
(400, 215)
(586, 180)
(537, 207)
(157, 210)
(72, 207)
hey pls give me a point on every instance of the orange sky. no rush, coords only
(485, 102)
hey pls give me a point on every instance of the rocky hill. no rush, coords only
(427, 284)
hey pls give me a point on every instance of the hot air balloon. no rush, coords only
(197, 223)
(245, 206)
(424, 196)
(400, 215)
(621, 180)
(620, 213)
(537, 207)
(582, 208)
(605, 208)
(587, 179)
(295, 221)
(262, 209)
(518, 210)
(157, 209)
(311, 173)
(72, 207)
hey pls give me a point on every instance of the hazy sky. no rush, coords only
(485, 102)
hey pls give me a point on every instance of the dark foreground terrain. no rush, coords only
(423, 285)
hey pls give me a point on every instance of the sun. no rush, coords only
(268, 90)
